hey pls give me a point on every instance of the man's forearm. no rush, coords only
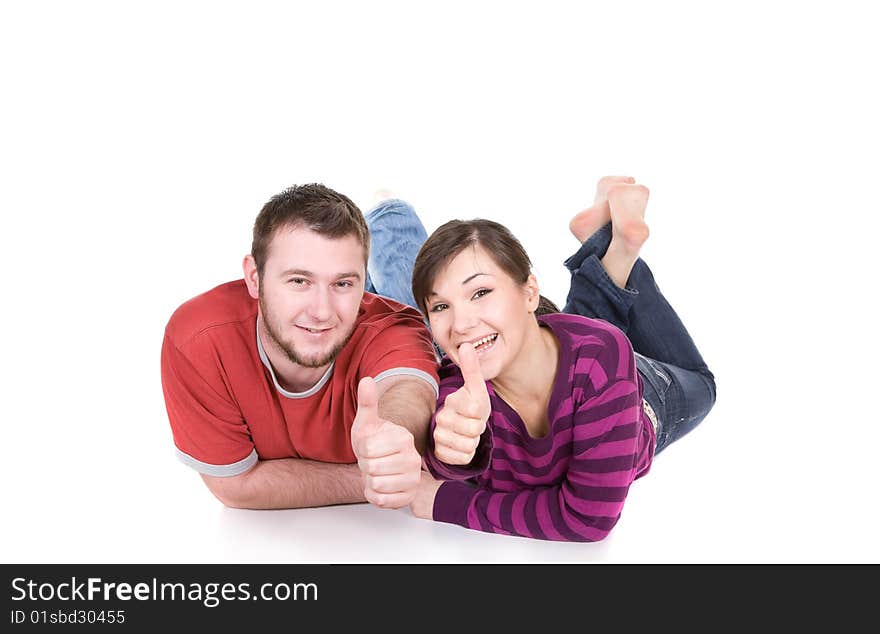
(290, 483)
(409, 403)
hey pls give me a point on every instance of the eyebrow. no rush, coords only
(305, 273)
(432, 293)
(472, 277)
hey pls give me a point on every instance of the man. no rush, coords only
(295, 387)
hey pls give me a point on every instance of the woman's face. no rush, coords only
(473, 300)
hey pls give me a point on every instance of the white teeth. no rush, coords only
(484, 340)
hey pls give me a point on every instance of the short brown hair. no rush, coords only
(315, 206)
(455, 236)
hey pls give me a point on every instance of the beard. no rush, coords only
(315, 361)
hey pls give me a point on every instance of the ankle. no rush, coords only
(618, 263)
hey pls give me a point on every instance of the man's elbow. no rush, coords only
(230, 491)
(231, 501)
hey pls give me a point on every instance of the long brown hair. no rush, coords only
(455, 236)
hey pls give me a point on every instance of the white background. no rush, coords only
(139, 140)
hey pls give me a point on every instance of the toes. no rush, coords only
(607, 182)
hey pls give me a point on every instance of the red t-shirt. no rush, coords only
(226, 407)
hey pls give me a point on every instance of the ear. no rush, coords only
(533, 293)
(251, 276)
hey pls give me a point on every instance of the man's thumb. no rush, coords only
(368, 404)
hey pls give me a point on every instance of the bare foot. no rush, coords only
(606, 183)
(628, 230)
(590, 220)
(381, 195)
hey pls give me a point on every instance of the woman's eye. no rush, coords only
(436, 308)
(482, 292)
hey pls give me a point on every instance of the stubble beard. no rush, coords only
(292, 355)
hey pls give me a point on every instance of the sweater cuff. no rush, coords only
(452, 502)
(479, 463)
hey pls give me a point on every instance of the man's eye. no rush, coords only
(436, 308)
(298, 281)
(344, 284)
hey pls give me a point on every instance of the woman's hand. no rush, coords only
(462, 419)
(423, 504)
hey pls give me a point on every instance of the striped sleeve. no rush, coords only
(587, 504)
(576, 490)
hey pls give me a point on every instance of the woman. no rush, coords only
(545, 419)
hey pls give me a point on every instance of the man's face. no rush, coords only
(310, 293)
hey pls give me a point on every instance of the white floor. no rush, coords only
(132, 173)
(713, 498)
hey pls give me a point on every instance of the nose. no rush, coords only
(319, 308)
(464, 319)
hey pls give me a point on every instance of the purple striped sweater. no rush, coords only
(571, 484)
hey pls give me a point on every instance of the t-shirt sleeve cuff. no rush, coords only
(414, 372)
(452, 502)
(219, 470)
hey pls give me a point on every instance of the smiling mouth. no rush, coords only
(484, 344)
(314, 331)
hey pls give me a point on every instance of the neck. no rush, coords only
(530, 377)
(291, 376)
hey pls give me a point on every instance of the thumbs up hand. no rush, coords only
(386, 453)
(461, 421)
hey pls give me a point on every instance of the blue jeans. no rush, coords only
(396, 235)
(678, 384)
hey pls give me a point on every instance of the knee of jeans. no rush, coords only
(709, 378)
(392, 206)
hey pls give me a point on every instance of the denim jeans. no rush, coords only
(678, 384)
(396, 235)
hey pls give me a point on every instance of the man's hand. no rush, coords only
(463, 417)
(423, 504)
(386, 454)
